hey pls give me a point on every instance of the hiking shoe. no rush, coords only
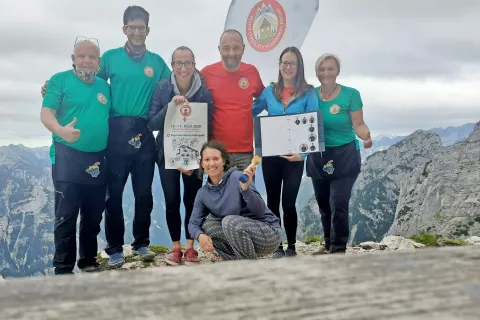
(320, 251)
(175, 257)
(279, 253)
(92, 268)
(290, 252)
(145, 254)
(191, 257)
(116, 260)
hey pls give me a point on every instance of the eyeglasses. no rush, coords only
(92, 40)
(187, 64)
(285, 64)
(141, 29)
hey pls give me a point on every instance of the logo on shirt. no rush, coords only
(135, 141)
(94, 170)
(185, 111)
(266, 25)
(328, 168)
(335, 109)
(243, 83)
(101, 98)
(148, 71)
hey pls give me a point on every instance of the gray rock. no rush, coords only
(398, 243)
(474, 240)
(370, 245)
(443, 195)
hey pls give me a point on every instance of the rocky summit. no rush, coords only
(387, 244)
(415, 186)
(443, 195)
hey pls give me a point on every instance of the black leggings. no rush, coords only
(170, 179)
(276, 171)
(333, 197)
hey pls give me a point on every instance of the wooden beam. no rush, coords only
(441, 283)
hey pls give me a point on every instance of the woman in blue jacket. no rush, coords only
(185, 84)
(290, 95)
(230, 219)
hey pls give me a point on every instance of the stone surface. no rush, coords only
(440, 283)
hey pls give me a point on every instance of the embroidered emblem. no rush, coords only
(148, 71)
(328, 168)
(335, 109)
(135, 141)
(94, 170)
(101, 98)
(266, 25)
(243, 83)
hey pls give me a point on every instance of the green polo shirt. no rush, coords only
(132, 82)
(90, 103)
(336, 116)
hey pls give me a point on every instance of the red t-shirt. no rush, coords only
(233, 94)
(287, 94)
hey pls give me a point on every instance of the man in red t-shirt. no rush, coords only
(233, 85)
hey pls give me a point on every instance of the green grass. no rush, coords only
(311, 239)
(453, 242)
(159, 249)
(428, 239)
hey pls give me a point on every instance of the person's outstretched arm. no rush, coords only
(158, 111)
(253, 199)
(199, 213)
(260, 103)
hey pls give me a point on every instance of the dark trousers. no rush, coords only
(141, 166)
(333, 197)
(70, 200)
(170, 179)
(282, 182)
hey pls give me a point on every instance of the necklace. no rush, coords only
(326, 98)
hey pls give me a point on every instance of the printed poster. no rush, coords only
(297, 133)
(185, 131)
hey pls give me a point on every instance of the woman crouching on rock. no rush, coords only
(240, 226)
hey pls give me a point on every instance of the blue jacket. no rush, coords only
(162, 96)
(226, 199)
(267, 101)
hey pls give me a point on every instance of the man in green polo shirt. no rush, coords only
(133, 72)
(76, 109)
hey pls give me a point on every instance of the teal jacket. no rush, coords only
(307, 102)
(267, 101)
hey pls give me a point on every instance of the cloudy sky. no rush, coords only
(416, 63)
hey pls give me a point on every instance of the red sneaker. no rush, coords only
(191, 257)
(175, 257)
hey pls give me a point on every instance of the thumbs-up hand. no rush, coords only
(69, 133)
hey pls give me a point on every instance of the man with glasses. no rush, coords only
(133, 72)
(76, 110)
(233, 85)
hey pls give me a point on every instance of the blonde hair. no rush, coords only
(324, 57)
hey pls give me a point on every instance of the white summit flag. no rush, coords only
(268, 27)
